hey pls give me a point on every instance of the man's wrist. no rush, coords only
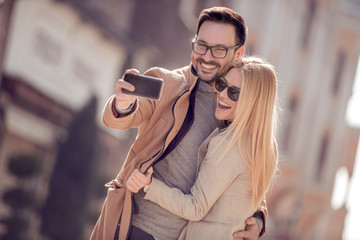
(117, 112)
(125, 111)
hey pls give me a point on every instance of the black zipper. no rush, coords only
(159, 153)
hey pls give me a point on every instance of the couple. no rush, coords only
(236, 164)
(171, 130)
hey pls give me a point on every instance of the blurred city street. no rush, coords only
(60, 59)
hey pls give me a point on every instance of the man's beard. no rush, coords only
(198, 64)
(220, 73)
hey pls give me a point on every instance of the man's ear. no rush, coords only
(239, 52)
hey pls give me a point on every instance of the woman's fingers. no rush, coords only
(137, 180)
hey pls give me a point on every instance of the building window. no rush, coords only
(2, 123)
(47, 47)
(322, 156)
(250, 48)
(292, 108)
(308, 22)
(339, 68)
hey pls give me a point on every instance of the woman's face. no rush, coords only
(225, 108)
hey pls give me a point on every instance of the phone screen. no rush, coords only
(145, 86)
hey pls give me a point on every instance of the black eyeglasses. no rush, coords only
(232, 92)
(216, 51)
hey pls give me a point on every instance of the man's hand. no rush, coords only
(251, 231)
(123, 100)
(137, 180)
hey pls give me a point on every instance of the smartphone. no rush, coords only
(145, 86)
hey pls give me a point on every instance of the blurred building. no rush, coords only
(55, 54)
(315, 46)
(5, 13)
(54, 60)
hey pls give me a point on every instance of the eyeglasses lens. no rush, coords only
(216, 52)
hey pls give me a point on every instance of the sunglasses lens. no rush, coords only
(220, 84)
(233, 93)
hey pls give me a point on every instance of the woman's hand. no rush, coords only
(137, 180)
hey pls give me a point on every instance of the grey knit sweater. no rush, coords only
(178, 169)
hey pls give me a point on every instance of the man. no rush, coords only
(171, 131)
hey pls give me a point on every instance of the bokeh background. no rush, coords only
(59, 60)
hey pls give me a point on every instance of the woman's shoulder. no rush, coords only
(219, 144)
(219, 150)
(222, 136)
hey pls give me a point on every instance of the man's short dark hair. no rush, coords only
(225, 15)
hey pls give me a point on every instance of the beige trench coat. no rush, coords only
(219, 202)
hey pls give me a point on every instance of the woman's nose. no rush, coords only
(223, 93)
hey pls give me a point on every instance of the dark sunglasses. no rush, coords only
(232, 92)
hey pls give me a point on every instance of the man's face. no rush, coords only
(215, 34)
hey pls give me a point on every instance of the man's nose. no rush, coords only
(208, 56)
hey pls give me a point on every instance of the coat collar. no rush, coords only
(204, 147)
(192, 77)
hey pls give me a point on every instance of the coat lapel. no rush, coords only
(204, 148)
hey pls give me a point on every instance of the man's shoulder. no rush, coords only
(166, 73)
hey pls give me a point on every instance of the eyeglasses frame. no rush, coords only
(211, 47)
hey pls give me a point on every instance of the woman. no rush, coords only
(235, 165)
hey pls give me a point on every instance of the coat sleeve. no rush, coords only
(216, 174)
(142, 110)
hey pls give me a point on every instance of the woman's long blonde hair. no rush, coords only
(253, 129)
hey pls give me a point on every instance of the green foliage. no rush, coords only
(17, 227)
(19, 198)
(72, 179)
(24, 166)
